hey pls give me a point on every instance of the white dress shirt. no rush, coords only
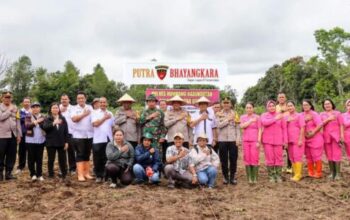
(102, 133)
(67, 116)
(83, 128)
(205, 126)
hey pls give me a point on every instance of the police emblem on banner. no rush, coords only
(161, 71)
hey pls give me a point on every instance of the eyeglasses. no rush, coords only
(7, 97)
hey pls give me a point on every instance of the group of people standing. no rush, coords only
(306, 133)
(138, 147)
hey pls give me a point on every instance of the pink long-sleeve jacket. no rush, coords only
(251, 132)
(274, 131)
(332, 128)
(317, 140)
(294, 127)
(346, 123)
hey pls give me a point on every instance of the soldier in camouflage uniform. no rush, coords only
(152, 121)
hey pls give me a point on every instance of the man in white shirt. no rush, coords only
(66, 110)
(102, 121)
(82, 136)
(203, 122)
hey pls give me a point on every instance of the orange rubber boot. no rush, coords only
(318, 169)
(310, 168)
(87, 170)
(80, 171)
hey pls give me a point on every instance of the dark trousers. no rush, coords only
(100, 158)
(62, 160)
(228, 151)
(35, 159)
(115, 171)
(185, 144)
(289, 163)
(8, 150)
(22, 153)
(164, 147)
(82, 147)
(72, 164)
(133, 143)
(216, 148)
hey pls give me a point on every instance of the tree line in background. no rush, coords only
(326, 75)
(322, 76)
(46, 87)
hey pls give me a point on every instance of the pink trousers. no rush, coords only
(250, 153)
(296, 152)
(347, 149)
(273, 155)
(333, 151)
(313, 154)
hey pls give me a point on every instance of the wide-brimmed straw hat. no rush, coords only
(176, 99)
(126, 98)
(203, 100)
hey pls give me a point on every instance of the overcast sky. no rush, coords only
(250, 36)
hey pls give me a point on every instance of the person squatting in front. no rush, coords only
(178, 161)
(147, 162)
(204, 162)
(120, 159)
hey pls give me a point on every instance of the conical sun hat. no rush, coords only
(176, 99)
(126, 98)
(203, 100)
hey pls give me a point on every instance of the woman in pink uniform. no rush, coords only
(274, 138)
(333, 135)
(346, 122)
(251, 125)
(314, 139)
(296, 140)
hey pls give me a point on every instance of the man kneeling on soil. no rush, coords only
(204, 162)
(178, 163)
(148, 161)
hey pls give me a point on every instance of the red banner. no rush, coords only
(189, 95)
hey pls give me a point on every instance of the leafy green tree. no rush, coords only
(18, 78)
(335, 50)
(99, 81)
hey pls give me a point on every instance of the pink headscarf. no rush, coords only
(347, 102)
(269, 102)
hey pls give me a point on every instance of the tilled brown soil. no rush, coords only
(52, 199)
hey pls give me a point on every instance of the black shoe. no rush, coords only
(225, 181)
(233, 181)
(9, 176)
(1, 176)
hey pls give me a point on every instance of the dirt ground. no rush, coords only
(52, 199)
